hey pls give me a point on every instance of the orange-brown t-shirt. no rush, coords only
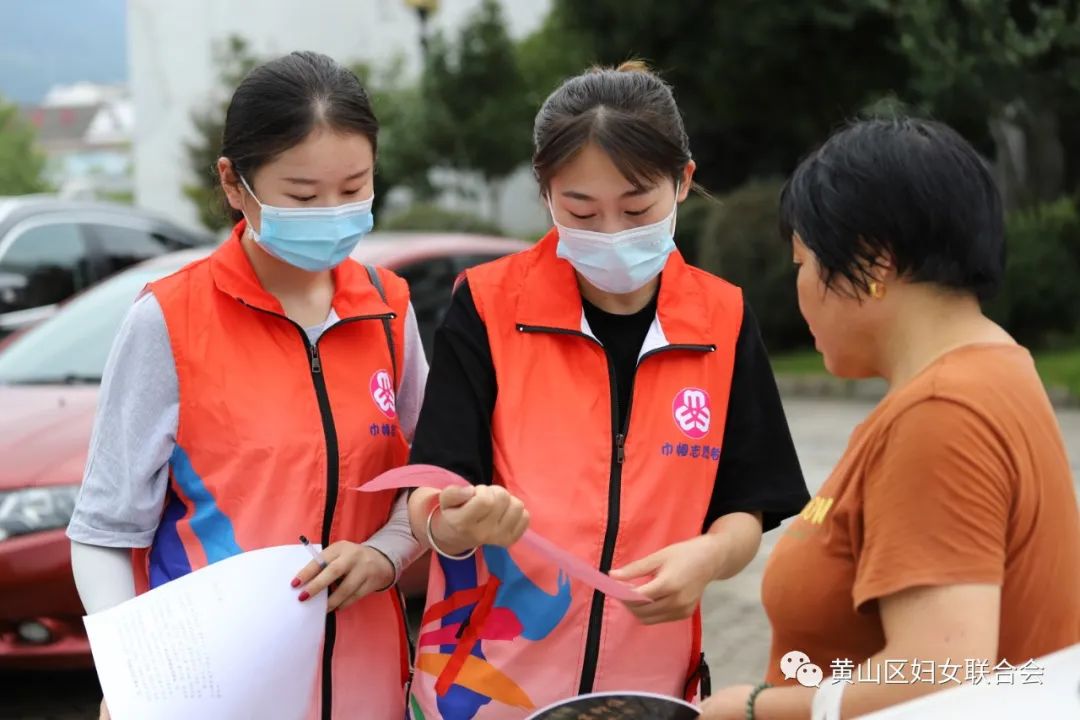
(960, 476)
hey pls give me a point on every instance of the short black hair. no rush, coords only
(628, 111)
(911, 190)
(278, 104)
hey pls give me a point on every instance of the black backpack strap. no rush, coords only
(373, 274)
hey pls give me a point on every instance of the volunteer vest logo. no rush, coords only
(508, 607)
(382, 392)
(693, 412)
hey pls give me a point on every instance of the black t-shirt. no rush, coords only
(758, 469)
(622, 337)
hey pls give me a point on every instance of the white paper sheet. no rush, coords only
(229, 641)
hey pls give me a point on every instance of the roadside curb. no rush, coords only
(828, 387)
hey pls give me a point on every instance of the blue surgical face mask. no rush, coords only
(620, 262)
(312, 238)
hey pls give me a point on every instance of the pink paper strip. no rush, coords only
(411, 476)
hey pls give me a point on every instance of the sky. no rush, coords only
(58, 42)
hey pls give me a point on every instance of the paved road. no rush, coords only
(736, 631)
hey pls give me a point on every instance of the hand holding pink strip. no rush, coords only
(412, 476)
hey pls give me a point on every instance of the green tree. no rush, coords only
(552, 53)
(476, 111)
(233, 60)
(404, 155)
(759, 83)
(22, 166)
(1006, 74)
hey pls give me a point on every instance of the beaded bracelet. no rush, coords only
(753, 697)
(435, 545)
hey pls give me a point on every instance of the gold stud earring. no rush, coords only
(877, 290)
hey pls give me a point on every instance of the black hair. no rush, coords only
(278, 104)
(911, 191)
(628, 111)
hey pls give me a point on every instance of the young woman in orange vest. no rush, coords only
(247, 393)
(601, 391)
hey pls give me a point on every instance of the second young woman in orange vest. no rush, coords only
(249, 392)
(618, 401)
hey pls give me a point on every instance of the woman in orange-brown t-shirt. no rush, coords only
(946, 542)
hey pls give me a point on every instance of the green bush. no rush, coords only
(689, 224)
(737, 239)
(1039, 303)
(432, 218)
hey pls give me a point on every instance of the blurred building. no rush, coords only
(172, 73)
(86, 131)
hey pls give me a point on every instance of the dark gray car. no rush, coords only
(51, 249)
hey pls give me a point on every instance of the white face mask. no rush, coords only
(619, 262)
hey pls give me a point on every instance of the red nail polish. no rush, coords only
(304, 596)
(296, 582)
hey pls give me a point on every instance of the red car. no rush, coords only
(49, 378)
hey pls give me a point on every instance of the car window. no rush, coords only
(431, 282)
(72, 346)
(53, 260)
(121, 247)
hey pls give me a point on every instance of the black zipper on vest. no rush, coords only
(618, 459)
(332, 476)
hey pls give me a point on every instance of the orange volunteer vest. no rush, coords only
(273, 434)
(503, 632)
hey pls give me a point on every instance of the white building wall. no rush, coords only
(170, 52)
